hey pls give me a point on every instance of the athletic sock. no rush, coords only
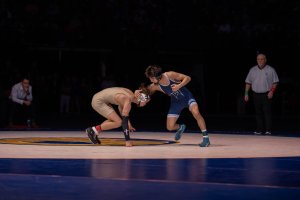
(98, 128)
(205, 133)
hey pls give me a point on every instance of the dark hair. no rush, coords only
(146, 89)
(23, 78)
(152, 71)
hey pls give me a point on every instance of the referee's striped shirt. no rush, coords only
(262, 80)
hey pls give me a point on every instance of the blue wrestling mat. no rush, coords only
(148, 179)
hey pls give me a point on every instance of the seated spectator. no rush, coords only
(21, 94)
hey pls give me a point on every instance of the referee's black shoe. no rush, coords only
(92, 135)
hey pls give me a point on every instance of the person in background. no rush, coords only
(173, 84)
(263, 80)
(21, 95)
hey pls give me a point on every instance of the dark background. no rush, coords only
(77, 38)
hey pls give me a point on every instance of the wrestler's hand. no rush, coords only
(175, 87)
(131, 129)
(137, 94)
(246, 98)
(128, 144)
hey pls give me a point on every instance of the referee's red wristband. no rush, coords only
(273, 90)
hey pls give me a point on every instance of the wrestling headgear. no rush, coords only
(143, 98)
(158, 76)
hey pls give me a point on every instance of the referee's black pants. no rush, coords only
(14, 106)
(263, 110)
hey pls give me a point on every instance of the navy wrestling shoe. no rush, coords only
(179, 131)
(205, 142)
(92, 134)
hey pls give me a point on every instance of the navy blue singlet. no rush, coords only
(180, 99)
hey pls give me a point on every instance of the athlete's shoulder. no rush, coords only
(171, 72)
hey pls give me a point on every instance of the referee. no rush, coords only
(263, 80)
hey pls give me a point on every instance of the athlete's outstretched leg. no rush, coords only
(201, 123)
(171, 126)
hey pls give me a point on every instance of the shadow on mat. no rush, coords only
(212, 145)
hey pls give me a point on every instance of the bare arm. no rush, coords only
(152, 89)
(247, 87)
(126, 106)
(275, 85)
(131, 129)
(270, 94)
(179, 77)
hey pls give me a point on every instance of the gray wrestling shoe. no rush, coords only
(92, 134)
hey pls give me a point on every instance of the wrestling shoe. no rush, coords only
(205, 142)
(257, 133)
(179, 131)
(92, 134)
(268, 133)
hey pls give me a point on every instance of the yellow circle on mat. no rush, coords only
(75, 141)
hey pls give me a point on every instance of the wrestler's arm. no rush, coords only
(178, 77)
(120, 107)
(151, 87)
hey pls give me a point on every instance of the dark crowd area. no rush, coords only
(151, 23)
(63, 46)
(55, 93)
(62, 93)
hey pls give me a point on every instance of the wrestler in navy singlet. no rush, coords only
(180, 99)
